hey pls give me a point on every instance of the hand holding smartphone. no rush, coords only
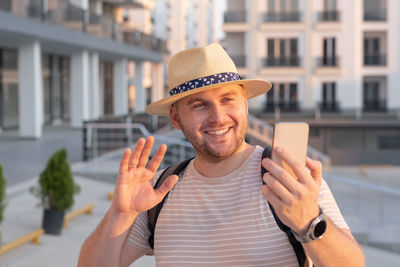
(293, 137)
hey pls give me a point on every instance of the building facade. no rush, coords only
(331, 59)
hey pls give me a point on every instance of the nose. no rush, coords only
(216, 113)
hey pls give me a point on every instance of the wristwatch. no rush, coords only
(315, 231)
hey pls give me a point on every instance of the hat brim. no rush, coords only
(253, 87)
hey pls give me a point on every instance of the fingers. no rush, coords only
(123, 165)
(279, 189)
(271, 197)
(166, 186)
(280, 174)
(144, 156)
(157, 158)
(315, 167)
(298, 168)
(137, 150)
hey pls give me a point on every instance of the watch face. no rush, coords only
(319, 229)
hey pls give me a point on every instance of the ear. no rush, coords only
(174, 117)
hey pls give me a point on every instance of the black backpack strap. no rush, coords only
(155, 211)
(297, 247)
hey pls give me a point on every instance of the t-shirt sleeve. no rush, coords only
(329, 206)
(139, 233)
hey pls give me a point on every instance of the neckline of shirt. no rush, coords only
(222, 179)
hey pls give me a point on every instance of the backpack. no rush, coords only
(179, 167)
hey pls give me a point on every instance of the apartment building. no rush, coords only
(191, 24)
(66, 62)
(331, 59)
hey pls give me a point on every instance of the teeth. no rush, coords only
(219, 132)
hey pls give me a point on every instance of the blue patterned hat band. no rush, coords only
(205, 81)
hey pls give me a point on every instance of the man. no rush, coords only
(218, 213)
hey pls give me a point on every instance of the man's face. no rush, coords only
(214, 121)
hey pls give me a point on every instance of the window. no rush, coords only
(284, 96)
(282, 52)
(329, 52)
(374, 93)
(282, 11)
(329, 12)
(329, 96)
(375, 10)
(372, 51)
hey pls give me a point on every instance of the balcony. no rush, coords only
(328, 16)
(235, 17)
(283, 106)
(293, 61)
(329, 106)
(281, 17)
(68, 16)
(378, 105)
(375, 60)
(328, 62)
(375, 15)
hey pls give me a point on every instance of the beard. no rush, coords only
(206, 151)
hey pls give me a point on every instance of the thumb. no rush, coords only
(166, 186)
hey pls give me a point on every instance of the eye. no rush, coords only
(198, 106)
(227, 99)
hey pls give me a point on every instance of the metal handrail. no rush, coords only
(264, 132)
(362, 184)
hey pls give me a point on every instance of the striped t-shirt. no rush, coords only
(223, 221)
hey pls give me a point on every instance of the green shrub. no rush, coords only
(57, 187)
(2, 193)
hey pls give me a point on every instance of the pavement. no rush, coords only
(96, 178)
(25, 158)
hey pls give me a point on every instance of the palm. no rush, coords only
(134, 191)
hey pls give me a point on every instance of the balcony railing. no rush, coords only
(281, 17)
(281, 62)
(329, 16)
(375, 15)
(240, 61)
(328, 62)
(283, 106)
(378, 105)
(375, 60)
(329, 106)
(103, 26)
(235, 16)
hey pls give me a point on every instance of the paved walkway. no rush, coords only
(26, 158)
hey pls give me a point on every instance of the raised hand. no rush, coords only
(295, 199)
(134, 192)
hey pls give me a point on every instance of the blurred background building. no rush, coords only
(333, 63)
(69, 61)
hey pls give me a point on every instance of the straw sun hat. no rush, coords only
(198, 69)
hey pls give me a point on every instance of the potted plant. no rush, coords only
(56, 191)
(2, 197)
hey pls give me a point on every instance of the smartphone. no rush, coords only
(293, 137)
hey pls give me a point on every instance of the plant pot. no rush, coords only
(53, 221)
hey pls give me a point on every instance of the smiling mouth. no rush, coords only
(217, 132)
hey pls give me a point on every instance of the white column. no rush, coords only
(94, 86)
(307, 102)
(393, 57)
(31, 108)
(157, 90)
(140, 92)
(120, 87)
(79, 88)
